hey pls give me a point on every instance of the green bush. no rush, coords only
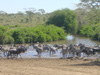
(39, 33)
(92, 31)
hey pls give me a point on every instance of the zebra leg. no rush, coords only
(54, 52)
(50, 52)
(4, 53)
(20, 56)
(39, 54)
(64, 56)
(8, 55)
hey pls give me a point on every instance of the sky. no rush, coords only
(13, 6)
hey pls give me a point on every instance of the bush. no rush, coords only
(92, 31)
(40, 33)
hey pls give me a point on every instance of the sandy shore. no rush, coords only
(48, 67)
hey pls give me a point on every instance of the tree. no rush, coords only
(2, 13)
(91, 4)
(30, 12)
(20, 13)
(88, 11)
(81, 17)
(64, 18)
(42, 11)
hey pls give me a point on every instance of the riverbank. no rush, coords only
(40, 66)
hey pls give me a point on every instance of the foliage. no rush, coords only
(88, 14)
(91, 31)
(29, 17)
(39, 33)
(64, 18)
(91, 4)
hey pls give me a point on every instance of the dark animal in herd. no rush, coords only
(16, 52)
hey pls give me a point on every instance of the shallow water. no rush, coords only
(70, 39)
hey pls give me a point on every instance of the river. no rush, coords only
(70, 39)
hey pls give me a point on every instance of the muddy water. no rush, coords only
(70, 39)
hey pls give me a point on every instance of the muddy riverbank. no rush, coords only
(48, 67)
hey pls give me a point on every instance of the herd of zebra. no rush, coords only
(76, 50)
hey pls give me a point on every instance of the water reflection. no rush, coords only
(70, 39)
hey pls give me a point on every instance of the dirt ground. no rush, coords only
(48, 67)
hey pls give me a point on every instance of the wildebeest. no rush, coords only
(96, 50)
(18, 51)
(88, 50)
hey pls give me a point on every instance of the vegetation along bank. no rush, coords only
(38, 26)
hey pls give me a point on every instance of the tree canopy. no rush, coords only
(88, 16)
(64, 18)
(88, 12)
(90, 4)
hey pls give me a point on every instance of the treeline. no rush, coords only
(19, 35)
(65, 18)
(88, 17)
(29, 17)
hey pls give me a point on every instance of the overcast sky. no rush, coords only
(13, 6)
